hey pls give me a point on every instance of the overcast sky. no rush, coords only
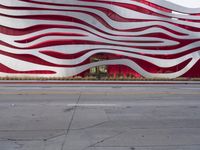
(187, 3)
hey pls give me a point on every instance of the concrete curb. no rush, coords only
(95, 82)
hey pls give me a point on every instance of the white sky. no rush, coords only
(187, 3)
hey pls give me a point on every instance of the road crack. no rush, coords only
(70, 123)
(103, 140)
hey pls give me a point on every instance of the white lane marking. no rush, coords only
(93, 105)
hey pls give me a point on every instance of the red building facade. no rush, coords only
(148, 38)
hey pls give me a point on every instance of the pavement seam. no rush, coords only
(93, 126)
(70, 123)
(146, 146)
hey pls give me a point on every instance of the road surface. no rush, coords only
(105, 117)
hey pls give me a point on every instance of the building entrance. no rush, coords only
(100, 71)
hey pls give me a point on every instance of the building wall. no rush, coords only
(51, 38)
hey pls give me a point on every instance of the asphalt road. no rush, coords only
(106, 117)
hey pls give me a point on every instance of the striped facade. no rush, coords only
(64, 38)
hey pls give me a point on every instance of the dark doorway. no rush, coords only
(99, 72)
